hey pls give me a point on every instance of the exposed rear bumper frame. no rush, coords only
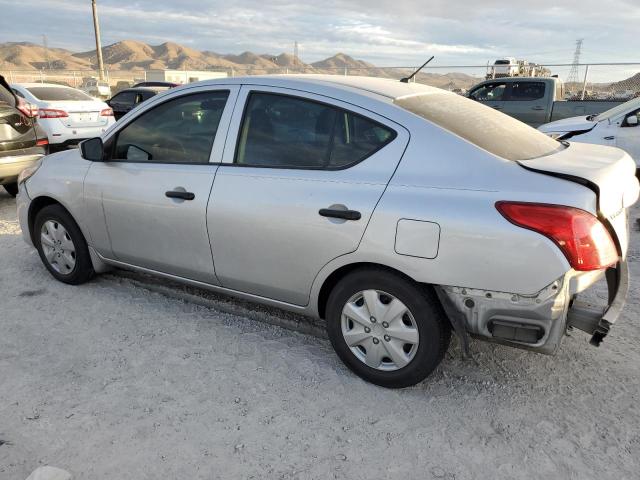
(597, 321)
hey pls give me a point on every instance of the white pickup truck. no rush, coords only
(619, 127)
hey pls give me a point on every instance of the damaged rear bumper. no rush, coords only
(597, 321)
(539, 321)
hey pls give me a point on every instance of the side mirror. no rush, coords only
(632, 121)
(92, 149)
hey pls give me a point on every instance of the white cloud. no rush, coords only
(402, 32)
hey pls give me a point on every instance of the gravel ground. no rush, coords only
(129, 378)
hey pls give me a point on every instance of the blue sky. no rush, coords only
(386, 33)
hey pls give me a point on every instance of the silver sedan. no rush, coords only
(395, 211)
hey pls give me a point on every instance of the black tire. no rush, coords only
(83, 268)
(12, 189)
(434, 329)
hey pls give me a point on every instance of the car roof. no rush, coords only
(38, 84)
(155, 83)
(382, 87)
(518, 79)
(144, 89)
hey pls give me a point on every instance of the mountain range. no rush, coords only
(133, 55)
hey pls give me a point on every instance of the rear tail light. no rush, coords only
(52, 113)
(107, 112)
(27, 109)
(583, 239)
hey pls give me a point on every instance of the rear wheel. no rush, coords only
(11, 188)
(385, 328)
(61, 246)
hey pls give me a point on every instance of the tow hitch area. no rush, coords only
(597, 320)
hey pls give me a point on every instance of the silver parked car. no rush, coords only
(395, 211)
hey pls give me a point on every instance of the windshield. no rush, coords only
(493, 131)
(58, 93)
(618, 110)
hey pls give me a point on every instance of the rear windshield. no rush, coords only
(58, 93)
(493, 131)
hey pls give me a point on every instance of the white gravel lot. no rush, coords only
(125, 378)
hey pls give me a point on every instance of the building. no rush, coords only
(182, 76)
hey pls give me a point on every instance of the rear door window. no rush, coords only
(124, 99)
(526, 91)
(355, 138)
(290, 132)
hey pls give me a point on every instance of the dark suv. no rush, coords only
(20, 144)
(125, 100)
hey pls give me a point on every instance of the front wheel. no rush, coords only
(11, 188)
(387, 329)
(61, 246)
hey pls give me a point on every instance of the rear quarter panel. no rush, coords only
(445, 180)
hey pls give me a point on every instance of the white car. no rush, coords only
(616, 127)
(66, 114)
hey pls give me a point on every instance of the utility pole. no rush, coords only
(96, 27)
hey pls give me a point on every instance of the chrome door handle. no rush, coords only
(609, 138)
(180, 194)
(337, 213)
(538, 107)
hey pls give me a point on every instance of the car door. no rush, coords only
(525, 100)
(491, 94)
(627, 136)
(296, 188)
(147, 202)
